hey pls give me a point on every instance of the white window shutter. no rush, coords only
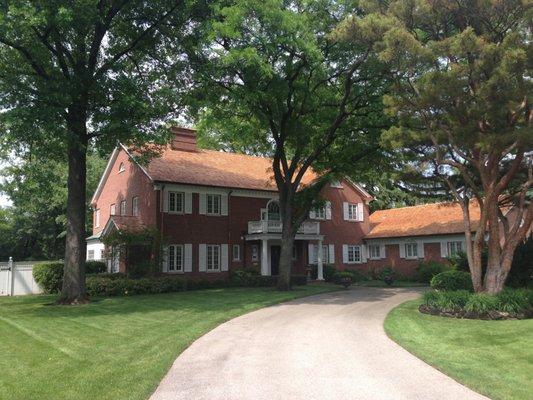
(223, 257)
(345, 211)
(312, 214)
(345, 253)
(382, 251)
(420, 249)
(165, 201)
(328, 210)
(443, 249)
(360, 212)
(188, 257)
(202, 259)
(331, 253)
(363, 252)
(402, 250)
(188, 203)
(311, 253)
(224, 204)
(164, 259)
(203, 206)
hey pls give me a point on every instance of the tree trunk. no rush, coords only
(73, 290)
(287, 240)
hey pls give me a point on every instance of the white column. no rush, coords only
(264, 257)
(320, 263)
(10, 277)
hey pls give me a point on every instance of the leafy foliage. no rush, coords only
(49, 276)
(427, 270)
(452, 280)
(95, 267)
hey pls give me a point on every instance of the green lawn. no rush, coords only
(494, 358)
(113, 348)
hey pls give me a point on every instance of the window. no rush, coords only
(213, 257)
(411, 250)
(123, 207)
(255, 252)
(135, 206)
(336, 184)
(213, 204)
(90, 255)
(175, 258)
(236, 252)
(374, 251)
(176, 202)
(112, 209)
(320, 212)
(454, 248)
(121, 167)
(352, 212)
(97, 218)
(354, 254)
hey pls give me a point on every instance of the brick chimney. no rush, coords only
(184, 139)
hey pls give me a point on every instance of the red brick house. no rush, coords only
(219, 212)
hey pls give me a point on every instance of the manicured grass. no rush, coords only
(113, 348)
(378, 283)
(494, 358)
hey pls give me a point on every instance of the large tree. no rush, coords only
(78, 72)
(271, 71)
(462, 98)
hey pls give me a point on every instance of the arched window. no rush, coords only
(121, 167)
(273, 210)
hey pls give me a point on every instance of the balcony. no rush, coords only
(307, 228)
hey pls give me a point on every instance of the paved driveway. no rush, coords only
(330, 346)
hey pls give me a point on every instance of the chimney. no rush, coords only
(184, 139)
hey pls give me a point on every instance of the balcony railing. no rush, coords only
(308, 227)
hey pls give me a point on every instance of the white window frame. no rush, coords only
(354, 254)
(320, 212)
(121, 168)
(175, 209)
(176, 258)
(373, 255)
(336, 184)
(212, 258)
(454, 247)
(90, 254)
(411, 250)
(352, 212)
(135, 205)
(113, 209)
(325, 254)
(123, 206)
(215, 201)
(236, 252)
(97, 217)
(255, 252)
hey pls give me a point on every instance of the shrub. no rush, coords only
(339, 276)
(452, 280)
(481, 303)
(358, 276)
(95, 267)
(447, 301)
(427, 270)
(49, 276)
(514, 301)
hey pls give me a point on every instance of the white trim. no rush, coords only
(424, 239)
(331, 253)
(238, 247)
(202, 257)
(104, 176)
(181, 187)
(224, 256)
(188, 257)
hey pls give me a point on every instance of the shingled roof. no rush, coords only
(422, 220)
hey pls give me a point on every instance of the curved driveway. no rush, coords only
(329, 346)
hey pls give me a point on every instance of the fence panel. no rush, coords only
(16, 278)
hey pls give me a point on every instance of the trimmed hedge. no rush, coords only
(95, 267)
(108, 286)
(49, 276)
(452, 280)
(462, 303)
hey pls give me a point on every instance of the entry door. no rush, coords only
(275, 252)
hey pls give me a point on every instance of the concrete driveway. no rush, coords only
(329, 346)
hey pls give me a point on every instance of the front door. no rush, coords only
(275, 252)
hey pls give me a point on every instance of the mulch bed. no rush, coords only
(490, 315)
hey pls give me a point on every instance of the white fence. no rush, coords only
(16, 278)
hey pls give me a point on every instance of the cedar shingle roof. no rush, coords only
(215, 168)
(422, 220)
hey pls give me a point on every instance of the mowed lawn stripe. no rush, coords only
(114, 348)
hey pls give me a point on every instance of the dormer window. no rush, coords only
(121, 168)
(336, 184)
